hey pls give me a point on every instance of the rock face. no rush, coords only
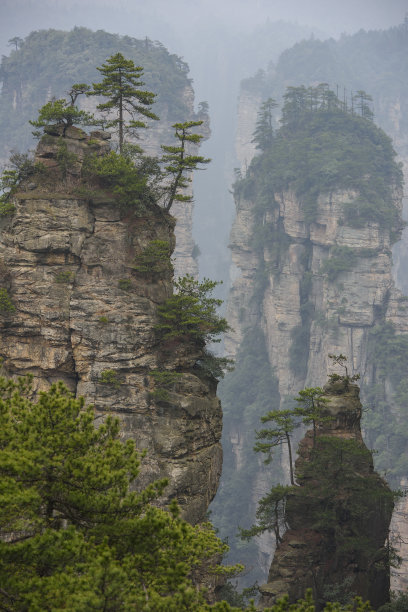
(346, 304)
(339, 515)
(346, 307)
(315, 286)
(161, 133)
(85, 316)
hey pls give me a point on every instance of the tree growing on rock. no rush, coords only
(122, 86)
(73, 533)
(280, 433)
(64, 112)
(180, 163)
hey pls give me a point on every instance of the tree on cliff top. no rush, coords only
(72, 533)
(63, 112)
(122, 86)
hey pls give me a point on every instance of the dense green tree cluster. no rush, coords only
(75, 534)
(322, 147)
(191, 313)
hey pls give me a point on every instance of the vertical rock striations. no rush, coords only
(339, 515)
(317, 215)
(85, 313)
(48, 62)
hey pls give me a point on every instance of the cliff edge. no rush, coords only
(82, 312)
(338, 517)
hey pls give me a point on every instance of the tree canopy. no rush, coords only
(74, 534)
(122, 86)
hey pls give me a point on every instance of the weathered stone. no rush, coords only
(64, 258)
(313, 557)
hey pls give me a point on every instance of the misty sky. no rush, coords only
(173, 20)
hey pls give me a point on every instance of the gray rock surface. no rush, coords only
(82, 310)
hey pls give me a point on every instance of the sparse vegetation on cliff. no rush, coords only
(190, 314)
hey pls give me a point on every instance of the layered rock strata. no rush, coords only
(84, 315)
(339, 515)
(290, 288)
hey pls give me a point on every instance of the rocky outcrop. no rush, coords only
(315, 285)
(161, 133)
(339, 515)
(345, 303)
(86, 316)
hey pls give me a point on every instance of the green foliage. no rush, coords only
(339, 592)
(125, 284)
(311, 408)
(164, 381)
(103, 319)
(342, 259)
(6, 207)
(283, 424)
(180, 162)
(191, 313)
(398, 603)
(6, 305)
(263, 134)
(74, 535)
(321, 148)
(154, 260)
(110, 377)
(131, 182)
(20, 167)
(121, 86)
(307, 605)
(335, 488)
(270, 514)
(61, 112)
(341, 360)
(64, 276)
(214, 366)
(51, 60)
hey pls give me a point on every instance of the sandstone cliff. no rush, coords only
(339, 515)
(315, 281)
(48, 62)
(84, 315)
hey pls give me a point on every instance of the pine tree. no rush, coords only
(311, 407)
(73, 532)
(122, 86)
(179, 162)
(280, 433)
(263, 134)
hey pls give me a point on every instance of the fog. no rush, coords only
(174, 21)
(223, 41)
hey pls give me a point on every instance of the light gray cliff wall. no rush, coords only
(82, 310)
